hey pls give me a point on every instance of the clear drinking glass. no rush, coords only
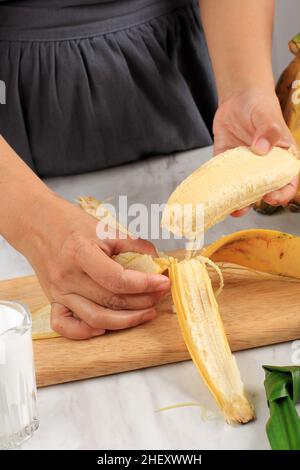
(18, 408)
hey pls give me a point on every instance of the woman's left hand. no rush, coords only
(254, 118)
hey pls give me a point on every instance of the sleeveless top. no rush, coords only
(93, 84)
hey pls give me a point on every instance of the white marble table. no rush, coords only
(118, 412)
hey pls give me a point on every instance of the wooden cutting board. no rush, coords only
(255, 312)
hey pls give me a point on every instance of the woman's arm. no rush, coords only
(73, 265)
(21, 194)
(239, 38)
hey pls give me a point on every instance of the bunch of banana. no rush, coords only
(288, 92)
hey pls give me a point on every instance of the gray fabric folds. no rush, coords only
(103, 85)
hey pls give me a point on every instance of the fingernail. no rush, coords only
(163, 293)
(149, 315)
(273, 202)
(262, 145)
(98, 332)
(161, 282)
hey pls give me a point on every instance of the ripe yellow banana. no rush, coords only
(226, 183)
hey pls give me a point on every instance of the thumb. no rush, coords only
(123, 245)
(268, 132)
(265, 139)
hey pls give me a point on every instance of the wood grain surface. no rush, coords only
(255, 312)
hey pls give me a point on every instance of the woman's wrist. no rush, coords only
(21, 213)
(238, 87)
(23, 197)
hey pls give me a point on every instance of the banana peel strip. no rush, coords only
(235, 250)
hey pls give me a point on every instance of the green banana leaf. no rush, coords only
(282, 385)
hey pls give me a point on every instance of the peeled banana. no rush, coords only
(226, 183)
(143, 262)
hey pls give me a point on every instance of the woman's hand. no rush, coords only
(89, 292)
(239, 38)
(253, 118)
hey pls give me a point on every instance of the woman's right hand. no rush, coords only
(89, 292)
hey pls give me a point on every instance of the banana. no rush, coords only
(226, 183)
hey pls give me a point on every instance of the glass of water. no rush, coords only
(18, 409)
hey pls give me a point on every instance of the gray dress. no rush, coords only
(93, 84)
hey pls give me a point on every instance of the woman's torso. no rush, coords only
(93, 84)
